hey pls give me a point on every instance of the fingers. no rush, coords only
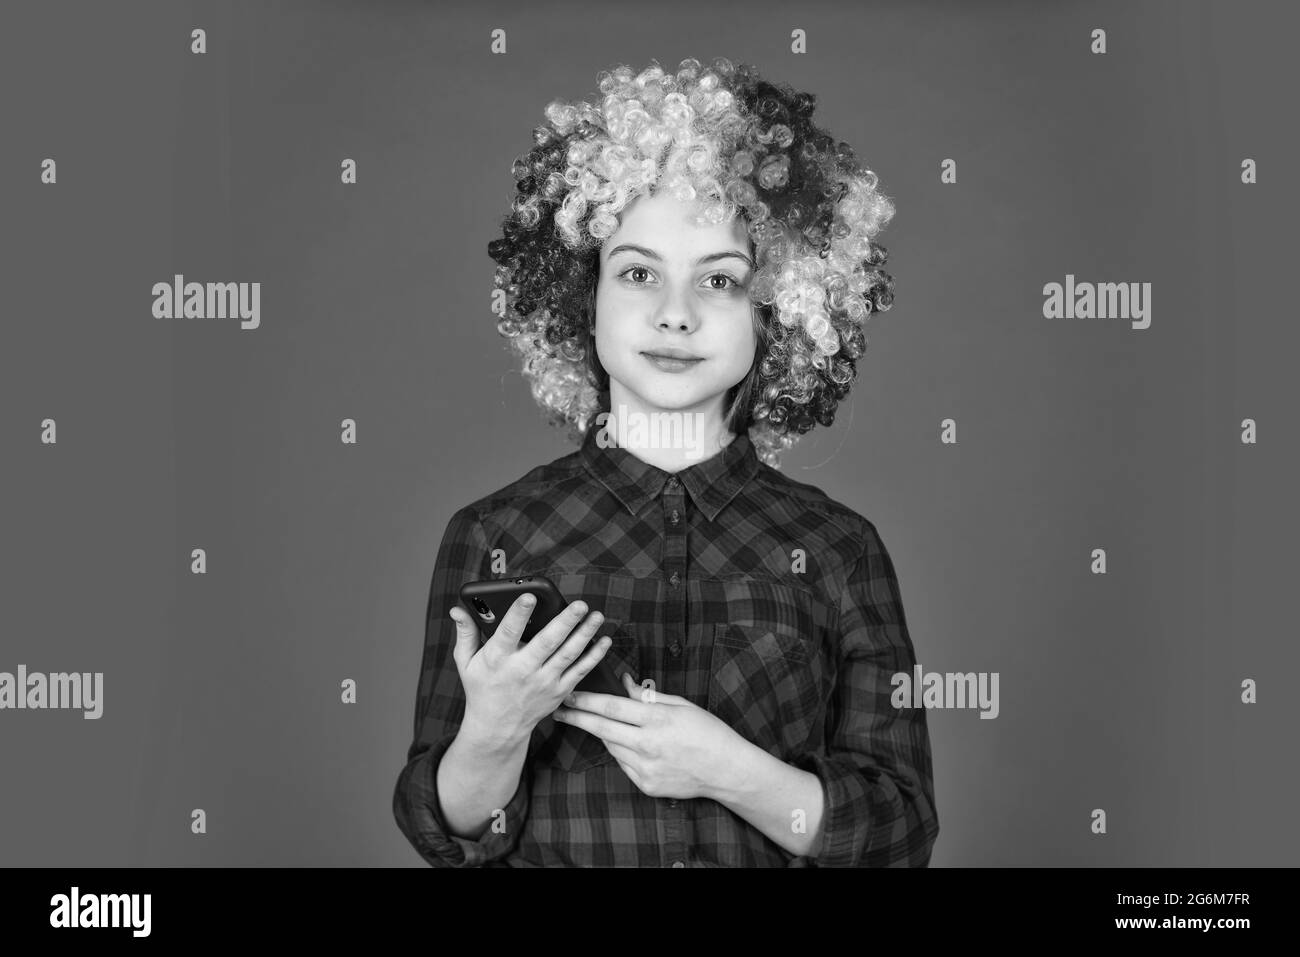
(467, 639)
(552, 636)
(511, 627)
(602, 727)
(582, 667)
(573, 645)
(612, 706)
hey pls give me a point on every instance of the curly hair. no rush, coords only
(738, 145)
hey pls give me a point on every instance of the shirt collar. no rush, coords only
(712, 483)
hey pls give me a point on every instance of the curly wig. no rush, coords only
(737, 145)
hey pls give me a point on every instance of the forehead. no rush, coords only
(664, 223)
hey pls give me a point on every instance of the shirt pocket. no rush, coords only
(768, 683)
(566, 747)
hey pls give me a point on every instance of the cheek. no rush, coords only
(614, 299)
(742, 340)
(739, 368)
(611, 315)
(744, 363)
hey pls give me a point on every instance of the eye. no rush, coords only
(727, 285)
(632, 269)
(724, 287)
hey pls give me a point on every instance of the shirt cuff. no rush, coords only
(427, 829)
(866, 819)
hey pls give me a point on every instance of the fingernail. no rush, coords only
(571, 699)
(528, 601)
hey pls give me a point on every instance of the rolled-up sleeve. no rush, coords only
(439, 707)
(875, 769)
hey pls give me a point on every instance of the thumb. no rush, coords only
(466, 639)
(645, 691)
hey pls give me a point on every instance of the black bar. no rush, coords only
(339, 906)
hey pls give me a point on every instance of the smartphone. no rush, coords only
(489, 601)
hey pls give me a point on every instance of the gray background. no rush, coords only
(222, 691)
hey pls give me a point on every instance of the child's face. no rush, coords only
(662, 297)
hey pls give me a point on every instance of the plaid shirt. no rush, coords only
(750, 594)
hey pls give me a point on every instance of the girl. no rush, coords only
(694, 251)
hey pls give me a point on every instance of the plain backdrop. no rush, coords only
(222, 691)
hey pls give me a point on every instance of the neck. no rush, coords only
(671, 440)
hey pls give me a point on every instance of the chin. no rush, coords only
(669, 403)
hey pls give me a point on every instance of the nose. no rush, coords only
(676, 313)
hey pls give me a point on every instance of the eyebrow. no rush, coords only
(651, 254)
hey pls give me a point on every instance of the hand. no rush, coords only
(510, 687)
(667, 746)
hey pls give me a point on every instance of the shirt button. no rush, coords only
(672, 482)
(678, 864)
(675, 579)
(675, 650)
(673, 803)
(675, 516)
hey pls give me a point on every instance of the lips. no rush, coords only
(671, 363)
(672, 354)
